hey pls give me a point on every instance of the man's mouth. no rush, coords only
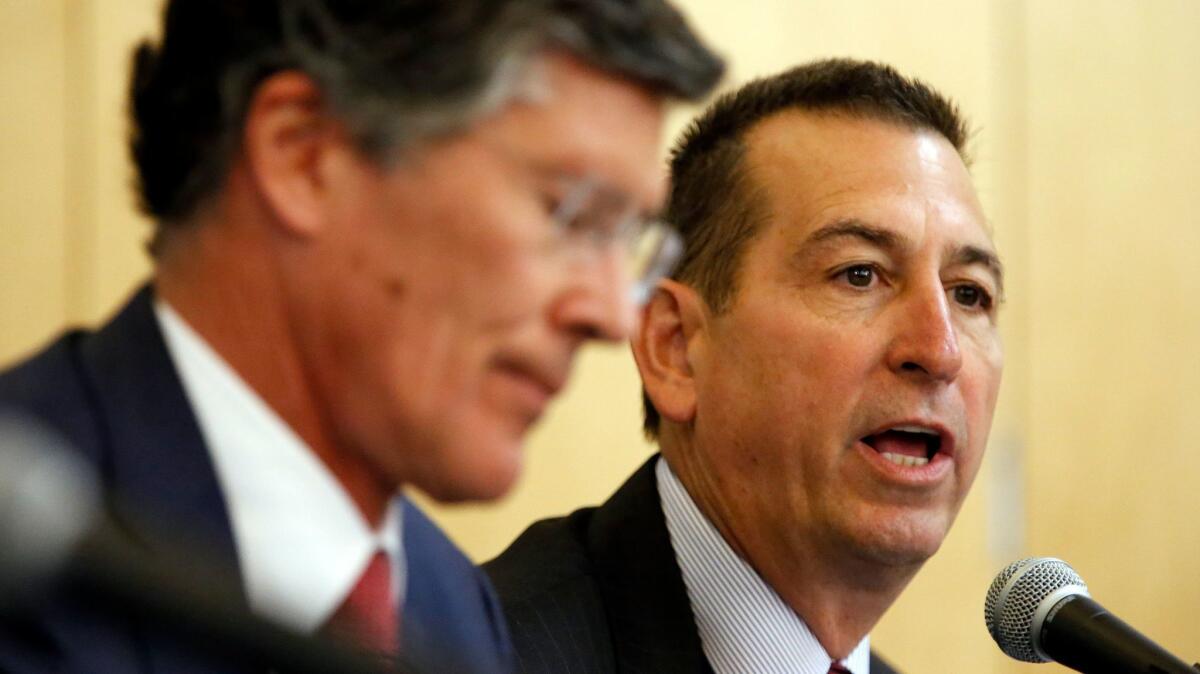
(547, 380)
(907, 445)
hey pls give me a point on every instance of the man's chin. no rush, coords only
(900, 542)
(895, 556)
(485, 472)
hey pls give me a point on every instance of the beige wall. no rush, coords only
(1088, 154)
(32, 173)
(1114, 167)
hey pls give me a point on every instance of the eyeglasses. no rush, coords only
(594, 218)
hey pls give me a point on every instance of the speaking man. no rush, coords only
(383, 228)
(820, 375)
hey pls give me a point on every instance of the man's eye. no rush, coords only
(859, 276)
(972, 296)
(599, 219)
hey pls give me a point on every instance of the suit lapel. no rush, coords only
(451, 620)
(648, 608)
(156, 454)
(650, 615)
(156, 467)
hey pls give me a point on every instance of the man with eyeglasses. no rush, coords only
(819, 373)
(382, 231)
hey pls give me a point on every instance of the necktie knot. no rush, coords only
(836, 667)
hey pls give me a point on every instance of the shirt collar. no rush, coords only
(302, 543)
(744, 625)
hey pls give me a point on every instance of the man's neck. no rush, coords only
(224, 284)
(839, 605)
(839, 597)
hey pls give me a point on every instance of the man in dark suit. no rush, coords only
(382, 231)
(820, 374)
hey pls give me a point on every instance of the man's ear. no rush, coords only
(286, 131)
(665, 344)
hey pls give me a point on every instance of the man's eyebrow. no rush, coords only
(974, 255)
(960, 256)
(856, 229)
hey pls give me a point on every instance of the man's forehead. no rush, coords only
(873, 181)
(807, 160)
(830, 144)
(588, 121)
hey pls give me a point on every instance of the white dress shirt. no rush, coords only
(745, 626)
(301, 541)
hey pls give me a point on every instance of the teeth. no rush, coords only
(904, 460)
(915, 429)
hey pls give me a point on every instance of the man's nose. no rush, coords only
(925, 339)
(598, 301)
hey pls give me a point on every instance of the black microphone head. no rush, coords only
(1020, 598)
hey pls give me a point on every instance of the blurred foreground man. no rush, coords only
(820, 376)
(382, 231)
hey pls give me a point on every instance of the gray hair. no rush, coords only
(395, 72)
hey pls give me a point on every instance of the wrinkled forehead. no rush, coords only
(810, 169)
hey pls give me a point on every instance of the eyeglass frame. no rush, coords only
(629, 231)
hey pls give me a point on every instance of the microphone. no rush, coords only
(48, 501)
(1040, 610)
(52, 532)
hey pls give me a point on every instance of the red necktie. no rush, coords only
(836, 667)
(367, 617)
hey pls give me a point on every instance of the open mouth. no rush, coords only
(909, 446)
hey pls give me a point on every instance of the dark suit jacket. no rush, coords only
(600, 591)
(115, 396)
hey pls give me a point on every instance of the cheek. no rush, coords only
(783, 395)
(505, 282)
(981, 382)
(484, 263)
(783, 355)
(399, 336)
(818, 372)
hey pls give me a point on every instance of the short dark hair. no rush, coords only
(712, 199)
(395, 71)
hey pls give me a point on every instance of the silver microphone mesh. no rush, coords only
(1016, 595)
